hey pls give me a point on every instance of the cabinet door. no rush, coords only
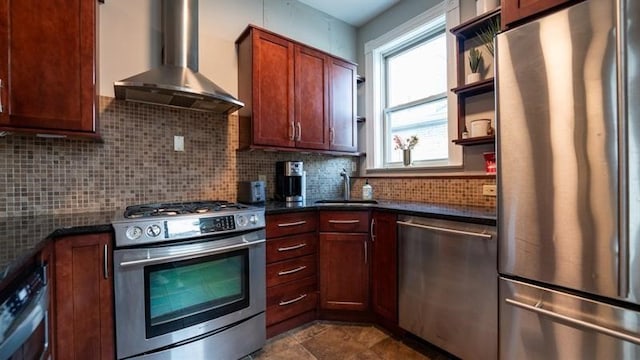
(514, 10)
(84, 297)
(344, 271)
(311, 99)
(48, 66)
(273, 121)
(343, 104)
(384, 266)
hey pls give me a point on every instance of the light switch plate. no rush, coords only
(178, 143)
(489, 190)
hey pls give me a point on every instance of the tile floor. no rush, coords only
(322, 340)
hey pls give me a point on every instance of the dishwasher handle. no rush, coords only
(447, 230)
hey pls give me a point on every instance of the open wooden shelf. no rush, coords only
(476, 88)
(471, 27)
(489, 139)
(466, 34)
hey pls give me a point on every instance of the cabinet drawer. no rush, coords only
(291, 223)
(291, 299)
(344, 221)
(291, 246)
(290, 270)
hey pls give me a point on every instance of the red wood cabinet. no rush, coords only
(84, 309)
(48, 67)
(265, 78)
(292, 287)
(384, 267)
(296, 97)
(311, 98)
(517, 10)
(344, 260)
(343, 106)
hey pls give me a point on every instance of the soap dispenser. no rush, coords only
(367, 191)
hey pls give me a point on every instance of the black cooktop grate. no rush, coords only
(179, 208)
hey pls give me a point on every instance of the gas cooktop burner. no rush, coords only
(179, 208)
(162, 222)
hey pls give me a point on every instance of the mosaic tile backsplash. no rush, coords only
(136, 164)
(456, 191)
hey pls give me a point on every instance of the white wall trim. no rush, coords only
(373, 71)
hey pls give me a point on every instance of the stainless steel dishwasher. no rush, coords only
(448, 285)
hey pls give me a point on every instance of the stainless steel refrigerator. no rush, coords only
(568, 105)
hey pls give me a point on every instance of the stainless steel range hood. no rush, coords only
(177, 83)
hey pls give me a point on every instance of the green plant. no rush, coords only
(488, 32)
(475, 57)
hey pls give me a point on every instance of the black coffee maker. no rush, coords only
(289, 181)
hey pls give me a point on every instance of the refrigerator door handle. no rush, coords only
(580, 323)
(623, 151)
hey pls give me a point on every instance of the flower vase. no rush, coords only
(406, 157)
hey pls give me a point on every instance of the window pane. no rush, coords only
(418, 72)
(428, 121)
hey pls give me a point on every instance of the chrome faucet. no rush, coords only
(347, 184)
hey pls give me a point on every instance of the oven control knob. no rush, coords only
(134, 232)
(242, 220)
(153, 230)
(253, 219)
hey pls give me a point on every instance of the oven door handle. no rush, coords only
(190, 255)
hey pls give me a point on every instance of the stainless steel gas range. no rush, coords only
(189, 280)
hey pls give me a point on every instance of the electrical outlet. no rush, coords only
(178, 143)
(262, 177)
(489, 190)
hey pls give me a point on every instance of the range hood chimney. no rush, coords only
(177, 83)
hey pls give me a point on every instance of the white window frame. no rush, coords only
(446, 13)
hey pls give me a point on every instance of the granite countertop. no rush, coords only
(472, 214)
(21, 237)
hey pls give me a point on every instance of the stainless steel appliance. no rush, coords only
(177, 82)
(448, 285)
(251, 192)
(189, 281)
(568, 182)
(289, 181)
(24, 320)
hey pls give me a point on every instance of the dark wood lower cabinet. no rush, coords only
(84, 327)
(384, 267)
(344, 271)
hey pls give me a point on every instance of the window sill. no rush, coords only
(422, 171)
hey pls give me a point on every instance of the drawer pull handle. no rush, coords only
(344, 221)
(292, 224)
(294, 247)
(287, 302)
(287, 272)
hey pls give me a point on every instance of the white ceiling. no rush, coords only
(354, 12)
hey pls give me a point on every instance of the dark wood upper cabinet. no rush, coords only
(515, 11)
(311, 98)
(266, 86)
(48, 67)
(296, 97)
(343, 106)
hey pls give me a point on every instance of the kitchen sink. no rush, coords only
(346, 202)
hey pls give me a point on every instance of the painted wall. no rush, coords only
(130, 35)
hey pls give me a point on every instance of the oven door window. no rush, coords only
(184, 293)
